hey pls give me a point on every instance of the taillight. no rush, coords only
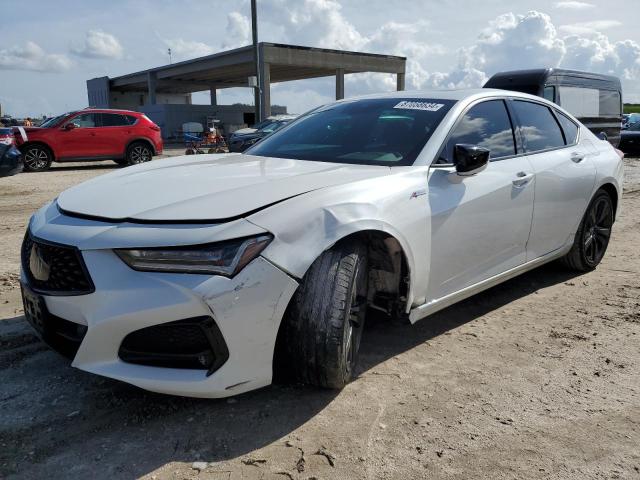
(154, 127)
(7, 140)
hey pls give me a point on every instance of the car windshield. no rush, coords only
(263, 124)
(50, 122)
(382, 131)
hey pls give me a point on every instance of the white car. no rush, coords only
(264, 123)
(197, 275)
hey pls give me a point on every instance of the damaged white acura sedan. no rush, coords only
(203, 275)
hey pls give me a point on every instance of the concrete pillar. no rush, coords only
(151, 85)
(400, 81)
(213, 94)
(339, 83)
(265, 89)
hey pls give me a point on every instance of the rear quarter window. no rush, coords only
(569, 128)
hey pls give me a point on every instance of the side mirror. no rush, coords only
(70, 126)
(470, 159)
(603, 136)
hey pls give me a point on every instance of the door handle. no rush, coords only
(577, 157)
(523, 179)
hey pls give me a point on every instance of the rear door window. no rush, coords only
(486, 125)
(113, 120)
(538, 125)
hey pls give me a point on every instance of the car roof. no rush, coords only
(108, 110)
(454, 94)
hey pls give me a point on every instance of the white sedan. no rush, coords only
(205, 276)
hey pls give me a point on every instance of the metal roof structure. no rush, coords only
(277, 63)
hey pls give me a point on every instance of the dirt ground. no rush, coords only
(536, 378)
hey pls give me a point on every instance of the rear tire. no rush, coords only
(37, 158)
(138, 152)
(322, 328)
(592, 237)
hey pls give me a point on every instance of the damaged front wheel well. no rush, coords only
(388, 271)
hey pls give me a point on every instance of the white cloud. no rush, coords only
(528, 41)
(238, 31)
(582, 28)
(573, 5)
(182, 49)
(319, 23)
(513, 42)
(99, 44)
(31, 56)
(509, 42)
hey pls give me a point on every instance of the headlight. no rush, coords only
(251, 141)
(223, 258)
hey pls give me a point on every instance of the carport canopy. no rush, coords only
(277, 62)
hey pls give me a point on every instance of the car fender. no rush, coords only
(609, 169)
(307, 225)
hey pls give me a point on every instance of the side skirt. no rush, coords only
(426, 309)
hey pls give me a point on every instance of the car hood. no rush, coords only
(204, 187)
(29, 129)
(243, 131)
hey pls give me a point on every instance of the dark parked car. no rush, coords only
(10, 160)
(239, 143)
(630, 141)
(629, 119)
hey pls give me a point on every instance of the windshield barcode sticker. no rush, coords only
(429, 107)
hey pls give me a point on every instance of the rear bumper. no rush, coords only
(159, 147)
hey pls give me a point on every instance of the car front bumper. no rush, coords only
(247, 310)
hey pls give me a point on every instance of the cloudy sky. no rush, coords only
(49, 49)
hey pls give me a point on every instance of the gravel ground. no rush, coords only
(536, 378)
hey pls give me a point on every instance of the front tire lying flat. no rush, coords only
(592, 237)
(324, 322)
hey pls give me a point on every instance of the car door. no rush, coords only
(114, 132)
(564, 170)
(80, 141)
(479, 224)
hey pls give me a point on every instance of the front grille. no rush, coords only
(55, 269)
(194, 343)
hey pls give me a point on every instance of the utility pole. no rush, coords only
(169, 52)
(256, 59)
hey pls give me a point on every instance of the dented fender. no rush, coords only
(396, 204)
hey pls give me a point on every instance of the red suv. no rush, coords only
(123, 136)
